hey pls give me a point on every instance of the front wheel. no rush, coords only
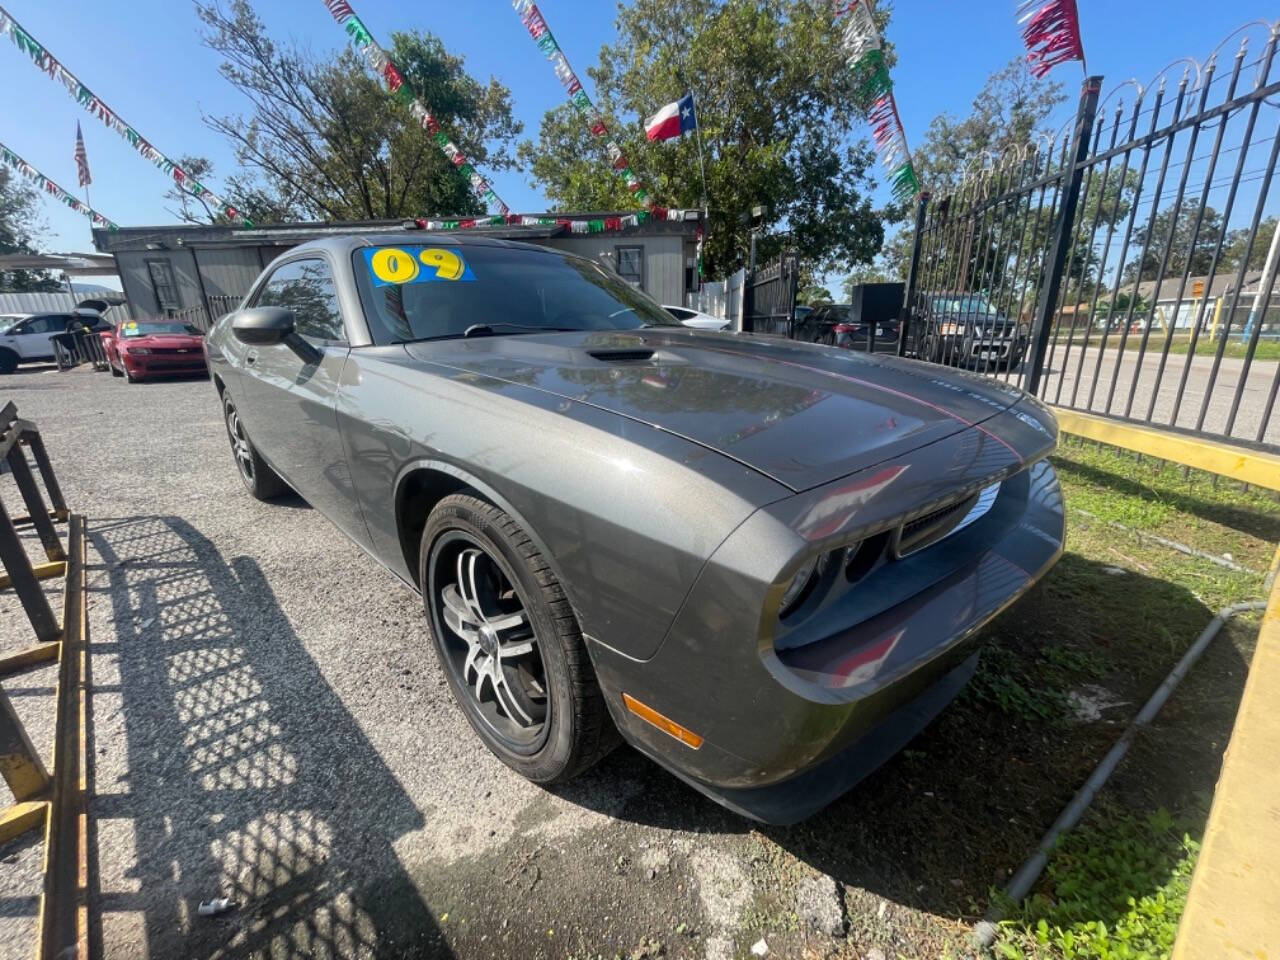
(259, 479)
(8, 361)
(509, 643)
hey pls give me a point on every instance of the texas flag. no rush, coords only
(672, 120)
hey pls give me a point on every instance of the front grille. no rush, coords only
(179, 351)
(922, 531)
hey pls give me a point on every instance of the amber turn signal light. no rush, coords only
(665, 724)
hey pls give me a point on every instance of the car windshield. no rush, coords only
(426, 292)
(840, 312)
(967, 305)
(151, 328)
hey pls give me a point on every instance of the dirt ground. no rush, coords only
(268, 724)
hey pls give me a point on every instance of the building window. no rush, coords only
(162, 282)
(631, 265)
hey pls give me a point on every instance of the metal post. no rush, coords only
(749, 290)
(36, 509)
(23, 578)
(1264, 286)
(909, 294)
(1062, 234)
(20, 764)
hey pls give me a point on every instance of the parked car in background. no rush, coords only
(142, 349)
(763, 564)
(697, 319)
(965, 329)
(835, 325)
(28, 338)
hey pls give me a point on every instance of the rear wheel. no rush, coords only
(8, 361)
(509, 643)
(259, 479)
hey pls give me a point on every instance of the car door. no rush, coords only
(291, 416)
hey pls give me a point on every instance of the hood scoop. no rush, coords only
(622, 355)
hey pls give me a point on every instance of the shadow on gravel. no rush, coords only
(247, 777)
(951, 816)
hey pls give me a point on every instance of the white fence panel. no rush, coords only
(722, 298)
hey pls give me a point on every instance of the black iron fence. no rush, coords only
(1126, 268)
(203, 316)
(770, 297)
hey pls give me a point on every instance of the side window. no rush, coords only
(630, 262)
(46, 324)
(165, 287)
(306, 287)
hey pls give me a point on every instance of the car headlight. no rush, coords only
(137, 350)
(951, 329)
(1023, 330)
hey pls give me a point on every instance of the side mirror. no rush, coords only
(267, 326)
(263, 326)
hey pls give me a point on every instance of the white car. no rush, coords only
(694, 318)
(29, 337)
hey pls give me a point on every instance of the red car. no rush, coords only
(138, 349)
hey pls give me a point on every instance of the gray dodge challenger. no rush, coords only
(762, 563)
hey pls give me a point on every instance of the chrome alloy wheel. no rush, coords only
(240, 445)
(490, 643)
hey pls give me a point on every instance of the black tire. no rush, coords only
(575, 728)
(114, 371)
(8, 361)
(258, 478)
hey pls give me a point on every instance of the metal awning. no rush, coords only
(72, 264)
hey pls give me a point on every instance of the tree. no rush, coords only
(778, 110)
(813, 293)
(324, 140)
(192, 208)
(1233, 251)
(19, 224)
(870, 273)
(1009, 112)
(1189, 248)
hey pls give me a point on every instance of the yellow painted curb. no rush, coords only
(1256, 467)
(1233, 909)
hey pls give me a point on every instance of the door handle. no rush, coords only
(251, 357)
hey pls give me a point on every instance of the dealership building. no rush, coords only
(200, 271)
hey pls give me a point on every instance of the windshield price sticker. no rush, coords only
(396, 266)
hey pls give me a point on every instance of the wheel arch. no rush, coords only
(422, 484)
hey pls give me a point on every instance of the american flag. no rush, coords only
(82, 158)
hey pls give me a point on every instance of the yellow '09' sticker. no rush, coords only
(396, 266)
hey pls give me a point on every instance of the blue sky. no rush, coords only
(144, 58)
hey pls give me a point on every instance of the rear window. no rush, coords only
(429, 291)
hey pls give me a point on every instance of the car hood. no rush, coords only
(163, 340)
(800, 414)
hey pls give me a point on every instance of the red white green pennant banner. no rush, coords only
(536, 24)
(52, 189)
(575, 224)
(864, 54)
(47, 63)
(382, 65)
(1051, 32)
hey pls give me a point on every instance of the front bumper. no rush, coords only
(980, 349)
(164, 364)
(791, 721)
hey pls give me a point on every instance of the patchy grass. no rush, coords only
(1206, 346)
(1117, 613)
(1116, 888)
